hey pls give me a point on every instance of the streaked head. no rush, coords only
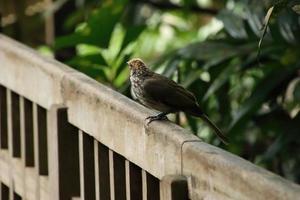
(136, 64)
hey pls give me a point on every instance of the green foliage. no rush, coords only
(255, 103)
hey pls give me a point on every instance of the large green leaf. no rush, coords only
(233, 24)
(254, 13)
(221, 79)
(98, 29)
(272, 80)
(212, 52)
(88, 59)
(273, 11)
(289, 27)
(132, 34)
(69, 40)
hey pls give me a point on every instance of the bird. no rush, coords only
(157, 92)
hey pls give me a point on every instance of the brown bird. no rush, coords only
(160, 93)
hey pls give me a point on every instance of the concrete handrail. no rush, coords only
(118, 122)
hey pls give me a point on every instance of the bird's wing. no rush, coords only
(166, 91)
(133, 94)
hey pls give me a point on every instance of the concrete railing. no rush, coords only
(64, 135)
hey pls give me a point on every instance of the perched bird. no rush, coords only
(162, 94)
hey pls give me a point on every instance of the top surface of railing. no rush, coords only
(118, 122)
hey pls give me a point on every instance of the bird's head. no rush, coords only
(136, 64)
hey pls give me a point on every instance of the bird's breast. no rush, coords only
(137, 87)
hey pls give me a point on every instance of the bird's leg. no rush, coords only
(160, 116)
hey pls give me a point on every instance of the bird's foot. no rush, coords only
(156, 117)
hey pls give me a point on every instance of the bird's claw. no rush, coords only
(150, 119)
(154, 118)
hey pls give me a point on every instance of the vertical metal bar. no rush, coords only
(144, 184)
(10, 139)
(22, 136)
(127, 179)
(9, 121)
(81, 167)
(111, 175)
(11, 191)
(35, 136)
(52, 121)
(96, 164)
(22, 128)
(36, 152)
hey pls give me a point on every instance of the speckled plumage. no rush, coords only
(160, 93)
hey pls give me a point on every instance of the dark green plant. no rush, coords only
(253, 98)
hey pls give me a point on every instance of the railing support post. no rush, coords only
(174, 187)
(63, 155)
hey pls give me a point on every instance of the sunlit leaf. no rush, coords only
(296, 92)
(264, 29)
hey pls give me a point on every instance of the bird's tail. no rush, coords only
(218, 132)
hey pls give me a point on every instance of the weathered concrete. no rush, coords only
(118, 122)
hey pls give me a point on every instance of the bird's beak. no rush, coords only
(129, 65)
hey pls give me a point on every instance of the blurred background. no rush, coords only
(240, 58)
